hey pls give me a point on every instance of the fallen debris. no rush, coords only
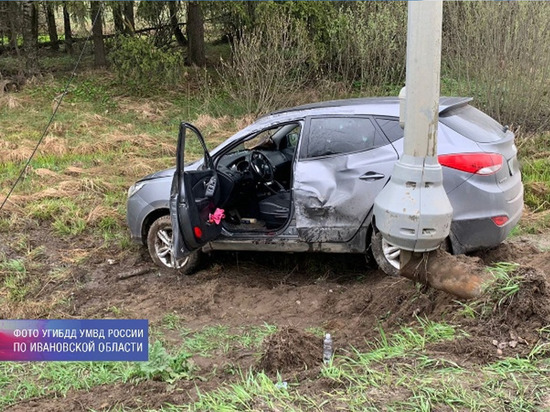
(133, 273)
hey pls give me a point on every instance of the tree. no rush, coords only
(128, 10)
(34, 21)
(97, 33)
(173, 7)
(52, 28)
(30, 41)
(13, 13)
(67, 29)
(195, 34)
(154, 14)
(116, 8)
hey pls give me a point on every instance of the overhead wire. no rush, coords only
(59, 101)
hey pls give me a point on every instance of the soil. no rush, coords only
(289, 350)
(341, 295)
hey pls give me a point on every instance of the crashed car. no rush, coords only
(304, 179)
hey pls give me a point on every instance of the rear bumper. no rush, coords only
(473, 234)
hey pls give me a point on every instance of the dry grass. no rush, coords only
(101, 212)
(145, 110)
(137, 167)
(41, 172)
(130, 143)
(47, 307)
(217, 129)
(74, 171)
(10, 101)
(531, 218)
(13, 152)
(54, 146)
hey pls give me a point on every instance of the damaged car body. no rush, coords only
(305, 179)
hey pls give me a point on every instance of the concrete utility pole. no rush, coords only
(413, 211)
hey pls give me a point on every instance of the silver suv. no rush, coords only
(304, 180)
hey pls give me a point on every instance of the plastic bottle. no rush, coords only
(327, 349)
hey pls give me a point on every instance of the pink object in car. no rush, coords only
(217, 216)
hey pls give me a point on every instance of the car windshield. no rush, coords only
(261, 140)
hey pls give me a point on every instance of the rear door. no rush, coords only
(344, 162)
(194, 197)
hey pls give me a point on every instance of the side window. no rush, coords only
(337, 135)
(391, 128)
(293, 136)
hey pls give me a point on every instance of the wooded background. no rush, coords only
(264, 54)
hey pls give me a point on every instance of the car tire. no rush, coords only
(159, 242)
(385, 254)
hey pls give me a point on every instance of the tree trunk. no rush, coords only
(195, 34)
(30, 42)
(97, 33)
(67, 30)
(34, 20)
(13, 13)
(129, 23)
(4, 20)
(173, 6)
(117, 17)
(52, 28)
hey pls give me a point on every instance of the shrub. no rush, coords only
(269, 63)
(368, 43)
(499, 53)
(143, 67)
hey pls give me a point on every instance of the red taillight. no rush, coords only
(198, 232)
(500, 220)
(478, 163)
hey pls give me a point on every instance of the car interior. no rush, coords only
(256, 180)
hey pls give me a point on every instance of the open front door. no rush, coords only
(194, 197)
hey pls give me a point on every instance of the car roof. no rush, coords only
(377, 106)
(382, 106)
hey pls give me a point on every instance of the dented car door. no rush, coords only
(344, 162)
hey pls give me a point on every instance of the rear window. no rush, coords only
(473, 124)
(391, 128)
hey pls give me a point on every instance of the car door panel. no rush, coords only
(334, 194)
(332, 197)
(195, 195)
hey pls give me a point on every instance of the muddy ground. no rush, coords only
(340, 294)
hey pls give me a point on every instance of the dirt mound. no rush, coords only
(520, 250)
(511, 326)
(530, 308)
(290, 350)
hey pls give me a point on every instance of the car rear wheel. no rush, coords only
(159, 243)
(385, 254)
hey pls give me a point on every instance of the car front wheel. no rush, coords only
(159, 243)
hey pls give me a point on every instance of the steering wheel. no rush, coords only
(261, 167)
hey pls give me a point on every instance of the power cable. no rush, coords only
(59, 101)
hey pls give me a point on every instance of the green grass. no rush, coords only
(221, 338)
(15, 279)
(19, 381)
(535, 169)
(396, 374)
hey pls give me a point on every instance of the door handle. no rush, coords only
(372, 176)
